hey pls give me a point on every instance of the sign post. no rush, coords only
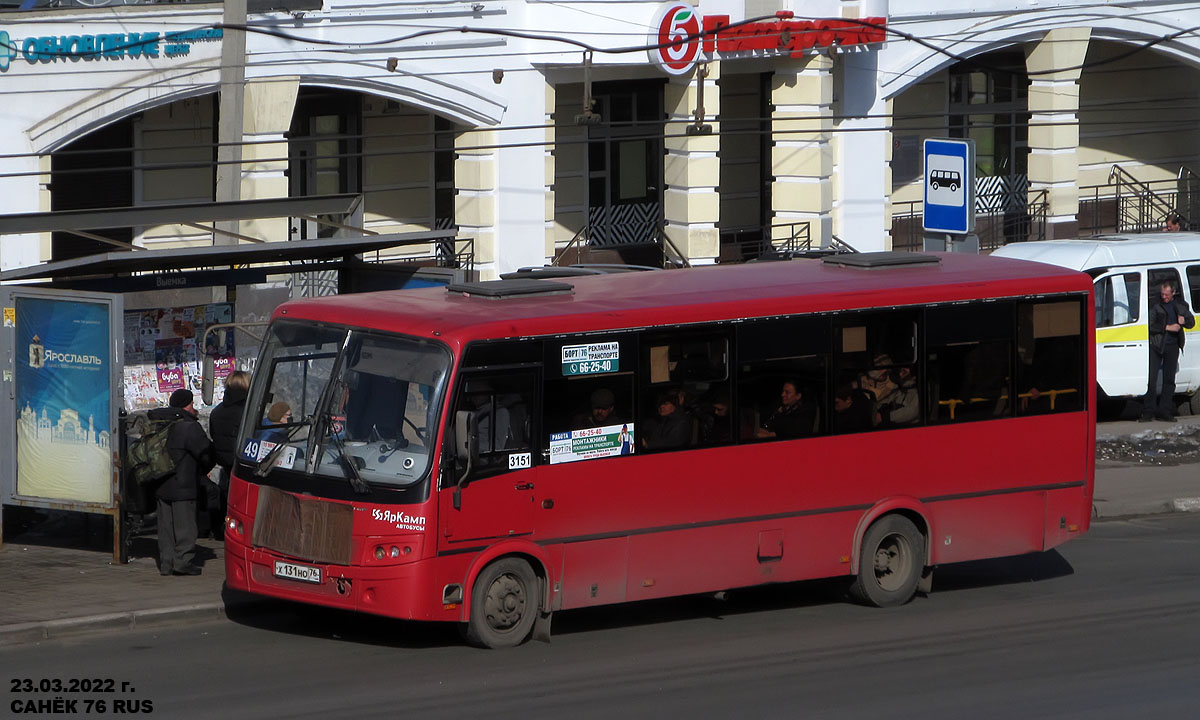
(949, 214)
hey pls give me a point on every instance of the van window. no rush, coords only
(1156, 278)
(1193, 276)
(1117, 299)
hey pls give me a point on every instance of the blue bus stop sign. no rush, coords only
(950, 186)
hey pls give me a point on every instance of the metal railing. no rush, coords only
(1014, 215)
(1128, 205)
(580, 249)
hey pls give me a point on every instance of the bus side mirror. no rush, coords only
(466, 427)
(207, 379)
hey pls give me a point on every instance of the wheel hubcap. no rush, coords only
(893, 562)
(505, 603)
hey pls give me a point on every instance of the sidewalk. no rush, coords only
(51, 591)
(54, 588)
(1147, 468)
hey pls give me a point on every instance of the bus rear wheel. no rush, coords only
(504, 605)
(889, 569)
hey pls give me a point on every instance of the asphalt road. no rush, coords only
(1106, 627)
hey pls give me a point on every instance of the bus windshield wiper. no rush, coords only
(265, 465)
(348, 462)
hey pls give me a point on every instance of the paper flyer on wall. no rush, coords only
(162, 355)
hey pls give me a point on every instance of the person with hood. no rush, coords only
(192, 453)
(223, 426)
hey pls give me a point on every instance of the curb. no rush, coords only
(1102, 510)
(1188, 504)
(22, 633)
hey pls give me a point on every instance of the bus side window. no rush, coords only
(685, 390)
(876, 355)
(503, 405)
(1050, 357)
(782, 378)
(968, 358)
(588, 406)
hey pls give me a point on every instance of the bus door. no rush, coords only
(1121, 352)
(496, 493)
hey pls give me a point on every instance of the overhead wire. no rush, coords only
(508, 33)
(651, 134)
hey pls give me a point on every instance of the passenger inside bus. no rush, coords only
(715, 421)
(897, 400)
(793, 418)
(853, 410)
(602, 411)
(280, 413)
(671, 429)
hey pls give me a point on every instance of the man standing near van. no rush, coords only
(1167, 318)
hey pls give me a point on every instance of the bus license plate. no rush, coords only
(292, 571)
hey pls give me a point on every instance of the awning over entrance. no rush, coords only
(176, 214)
(295, 256)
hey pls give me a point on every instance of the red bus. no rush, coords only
(493, 452)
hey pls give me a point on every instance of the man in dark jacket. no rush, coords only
(223, 426)
(793, 418)
(672, 429)
(1167, 317)
(192, 453)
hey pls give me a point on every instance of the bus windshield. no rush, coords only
(345, 403)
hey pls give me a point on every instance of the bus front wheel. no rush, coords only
(889, 569)
(504, 604)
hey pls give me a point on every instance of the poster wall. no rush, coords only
(63, 366)
(161, 355)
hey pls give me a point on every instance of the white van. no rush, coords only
(1128, 270)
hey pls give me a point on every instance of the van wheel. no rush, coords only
(1193, 403)
(890, 565)
(504, 604)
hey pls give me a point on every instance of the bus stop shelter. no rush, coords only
(87, 292)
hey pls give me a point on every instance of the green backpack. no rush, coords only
(149, 460)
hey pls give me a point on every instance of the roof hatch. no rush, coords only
(881, 260)
(514, 288)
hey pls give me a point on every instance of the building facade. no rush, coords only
(544, 130)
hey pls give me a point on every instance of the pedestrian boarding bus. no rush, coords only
(1128, 271)
(494, 452)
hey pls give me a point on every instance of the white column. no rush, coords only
(268, 112)
(475, 196)
(691, 170)
(520, 229)
(1053, 125)
(863, 174)
(802, 159)
(22, 195)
